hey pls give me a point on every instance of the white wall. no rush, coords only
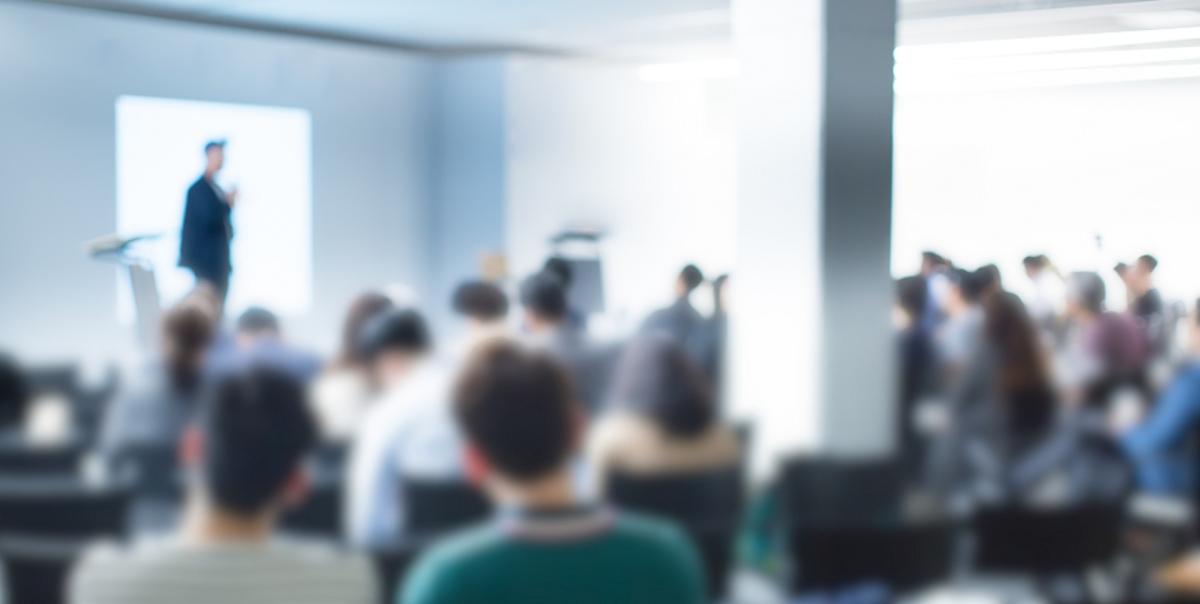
(652, 162)
(61, 73)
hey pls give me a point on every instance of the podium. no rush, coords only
(121, 251)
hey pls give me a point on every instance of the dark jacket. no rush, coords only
(204, 238)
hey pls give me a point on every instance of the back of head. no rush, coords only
(560, 267)
(257, 429)
(1035, 262)
(257, 320)
(655, 377)
(14, 392)
(1147, 262)
(931, 261)
(912, 295)
(516, 408)
(544, 295)
(970, 284)
(365, 307)
(1023, 378)
(480, 300)
(988, 278)
(396, 330)
(691, 277)
(1086, 289)
(187, 332)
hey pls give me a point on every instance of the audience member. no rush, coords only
(483, 308)
(934, 269)
(989, 280)
(958, 338)
(523, 425)
(258, 340)
(662, 417)
(545, 319)
(561, 267)
(408, 432)
(1106, 350)
(248, 452)
(14, 397)
(681, 321)
(1162, 446)
(717, 338)
(342, 393)
(1046, 293)
(162, 401)
(1147, 303)
(917, 365)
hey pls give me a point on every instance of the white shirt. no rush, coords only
(174, 572)
(410, 431)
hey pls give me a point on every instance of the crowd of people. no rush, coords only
(528, 409)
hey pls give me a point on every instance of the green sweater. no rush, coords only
(630, 561)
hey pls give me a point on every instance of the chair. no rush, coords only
(64, 507)
(436, 507)
(824, 492)
(904, 557)
(36, 569)
(1044, 542)
(20, 458)
(320, 515)
(706, 505)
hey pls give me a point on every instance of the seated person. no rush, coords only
(1107, 351)
(408, 432)
(163, 399)
(14, 397)
(1161, 446)
(523, 424)
(342, 393)
(258, 340)
(249, 454)
(483, 308)
(662, 418)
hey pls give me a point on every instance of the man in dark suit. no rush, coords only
(680, 321)
(204, 238)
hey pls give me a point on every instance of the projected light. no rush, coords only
(268, 158)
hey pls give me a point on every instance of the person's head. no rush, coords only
(1085, 295)
(720, 291)
(932, 262)
(1023, 379)
(256, 324)
(1035, 264)
(393, 342)
(214, 154)
(365, 307)
(251, 440)
(988, 277)
(561, 268)
(14, 393)
(544, 300)
(480, 303)
(518, 413)
(912, 295)
(963, 290)
(688, 280)
(187, 332)
(656, 378)
(1143, 272)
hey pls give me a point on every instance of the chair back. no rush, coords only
(320, 514)
(903, 557)
(826, 492)
(1021, 539)
(62, 507)
(36, 569)
(18, 457)
(435, 507)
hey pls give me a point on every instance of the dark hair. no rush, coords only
(1036, 261)
(988, 277)
(934, 258)
(691, 277)
(1087, 289)
(970, 284)
(1150, 262)
(1120, 268)
(1023, 379)
(257, 319)
(214, 144)
(544, 294)
(480, 300)
(517, 407)
(14, 392)
(912, 294)
(188, 330)
(257, 427)
(559, 267)
(718, 288)
(655, 377)
(364, 307)
(395, 330)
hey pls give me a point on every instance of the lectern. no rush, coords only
(121, 250)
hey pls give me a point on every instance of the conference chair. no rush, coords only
(903, 557)
(19, 457)
(1043, 542)
(436, 507)
(36, 569)
(827, 491)
(706, 505)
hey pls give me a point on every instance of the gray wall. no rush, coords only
(61, 73)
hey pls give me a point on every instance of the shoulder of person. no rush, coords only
(660, 547)
(443, 574)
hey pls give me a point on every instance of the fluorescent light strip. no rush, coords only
(1022, 46)
(1046, 62)
(1046, 79)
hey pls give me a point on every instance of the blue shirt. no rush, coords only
(1159, 446)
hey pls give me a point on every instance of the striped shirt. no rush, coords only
(172, 572)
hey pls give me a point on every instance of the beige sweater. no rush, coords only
(627, 442)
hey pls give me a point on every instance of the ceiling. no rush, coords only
(637, 28)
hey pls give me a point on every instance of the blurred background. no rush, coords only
(933, 260)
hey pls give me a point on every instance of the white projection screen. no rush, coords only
(160, 153)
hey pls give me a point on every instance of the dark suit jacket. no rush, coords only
(204, 238)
